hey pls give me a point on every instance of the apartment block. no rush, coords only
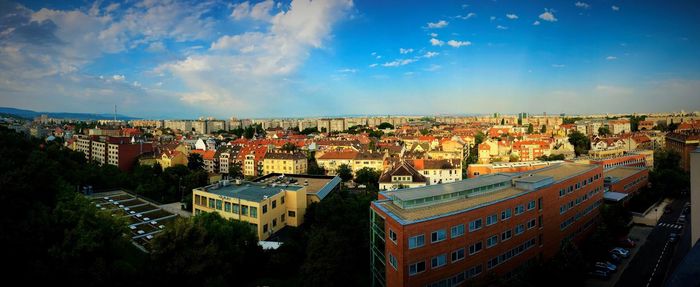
(285, 162)
(444, 235)
(625, 179)
(268, 204)
(121, 152)
(683, 143)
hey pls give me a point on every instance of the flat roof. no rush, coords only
(622, 172)
(250, 191)
(319, 185)
(614, 196)
(446, 188)
(557, 172)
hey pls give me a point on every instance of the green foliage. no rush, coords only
(385, 126)
(369, 177)
(308, 131)
(530, 129)
(344, 172)
(376, 134)
(290, 147)
(571, 120)
(313, 167)
(634, 122)
(543, 129)
(552, 157)
(604, 131)
(195, 161)
(235, 170)
(580, 142)
(424, 131)
(207, 250)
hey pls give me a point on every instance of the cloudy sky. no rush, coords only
(184, 59)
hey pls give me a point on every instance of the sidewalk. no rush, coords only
(655, 213)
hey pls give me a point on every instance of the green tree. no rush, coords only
(345, 172)
(207, 250)
(580, 142)
(604, 131)
(383, 126)
(369, 177)
(195, 161)
(543, 129)
(235, 170)
(530, 129)
(552, 157)
(290, 147)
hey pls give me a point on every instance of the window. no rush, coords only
(292, 213)
(438, 236)
(505, 214)
(506, 235)
(531, 223)
(282, 218)
(244, 210)
(562, 192)
(274, 204)
(265, 228)
(519, 229)
(264, 207)
(458, 254)
(539, 203)
(416, 268)
(491, 241)
(531, 205)
(474, 248)
(457, 231)
(438, 261)
(227, 206)
(392, 235)
(539, 221)
(393, 262)
(475, 225)
(253, 212)
(282, 200)
(211, 203)
(416, 241)
(491, 219)
(236, 208)
(519, 209)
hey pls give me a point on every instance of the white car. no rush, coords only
(624, 253)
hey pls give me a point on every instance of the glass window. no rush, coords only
(211, 203)
(392, 235)
(416, 241)
(474, 248)
(274, 204)
(531, 205)
(227, 206)
(475, 225)
(519, 229)
(505, 214)
(438, 236)
(253, 212)
(291, 213)
(264, 208)
(457, 231)
(491, 241)
(393, 262)
(236, 208)
(438, 261)
(458, 255)
(506, 235)
(491, 219)
(416, 268)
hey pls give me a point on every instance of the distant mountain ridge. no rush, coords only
(29, 114)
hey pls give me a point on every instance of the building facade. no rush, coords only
(683, 143)
(121, 152)
(285, 162)
(444, 235)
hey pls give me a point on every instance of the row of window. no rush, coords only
(578, 185)
(218, 204)
(566, 223)
(625, 163)
(458, 278)
(498, 260)
(578, 231)
(635, 182)
(458, 230)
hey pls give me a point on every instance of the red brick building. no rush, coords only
(444, 235)
(121, 152)
(474, 170)
(626, 179)
(683, 143)
(637, 160)
(529, 150)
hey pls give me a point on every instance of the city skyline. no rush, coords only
(264, 59)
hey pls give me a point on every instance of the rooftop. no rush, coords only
(250, 191)
(622, 172)
(320, 185)
(423, 203)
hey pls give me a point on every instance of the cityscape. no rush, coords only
(350, 143)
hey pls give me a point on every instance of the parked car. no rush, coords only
(681, 219)
(626, 242)
(600, 274)
(615, 258)
(673, 237)
(605, 266)
(624, 253)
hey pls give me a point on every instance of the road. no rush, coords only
(650, 265)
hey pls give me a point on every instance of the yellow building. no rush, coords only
(373, 160)
(172, 158)
(269, 203)
(285, 162)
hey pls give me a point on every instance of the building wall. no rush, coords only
(695, 197)
(631, 184)
(298, 166)
(628, 160)
(547, 233)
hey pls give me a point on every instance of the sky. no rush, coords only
(301, 58)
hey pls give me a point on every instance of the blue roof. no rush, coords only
(249, 191)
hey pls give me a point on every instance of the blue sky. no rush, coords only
(184, 59)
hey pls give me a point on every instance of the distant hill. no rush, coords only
(29, 114)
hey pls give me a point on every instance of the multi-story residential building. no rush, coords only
(170, 158)
(182, 125)
(370, 159)
(439, 170)
(200, 126)
(695, 196)
(442, 235)
(269, 204)
(529, 150)
(401, 175)
(331, 125)
(619, 126)
(146, 123)
(122, 152)
(625, 179)
(216, 125)
(330, 161)
(253, 161)
(683, 143)
(285, 162)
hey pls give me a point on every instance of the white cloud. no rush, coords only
(436, 42)
(156, 47)
(405, 51)
(373, 65)
(492, 18)
(118, 77)
(468, 16)
(430, 54)
(433, 68)
(347, 70)
(582, 5)
(501, 27)
(611, 58)
(615, 8)
(558, 65)
(536, 23)
(512, 16)
(457, 44)
(548, 15)
(399, 62)
(437, 25)
(434, 35)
